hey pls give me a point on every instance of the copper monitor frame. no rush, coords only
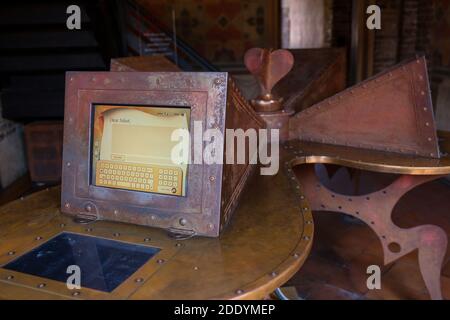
(205, 93)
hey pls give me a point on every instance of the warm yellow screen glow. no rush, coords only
(132, 148)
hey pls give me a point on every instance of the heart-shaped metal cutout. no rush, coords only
(268, 66)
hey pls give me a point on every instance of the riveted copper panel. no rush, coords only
(207, 96)
(390, 112)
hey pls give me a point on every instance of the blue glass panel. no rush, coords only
(104, 264)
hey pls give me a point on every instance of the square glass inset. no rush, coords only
(104, 263)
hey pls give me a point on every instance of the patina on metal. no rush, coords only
(375, 208)
(390, 112)
(262, 248)
(212, 191)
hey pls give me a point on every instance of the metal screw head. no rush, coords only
(147, 239)
(10, 277)
(195, 268)
(76, 293)
(88, 229)
(239, 291)
(116, 212)
(178, 244)
(116, 234)
(210, 226)
(160, 261)
(212, 178)
(273, 274)
(88, 208)
(68, 164)
(139, 280)
(62, 225)
(38, 238)
(11, 253)
(295, 255)
(67, 205)
(41, 285)
(306, 238)
(182, 221)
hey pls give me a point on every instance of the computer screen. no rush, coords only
(132, 146)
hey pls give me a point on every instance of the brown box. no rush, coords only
(44, 150)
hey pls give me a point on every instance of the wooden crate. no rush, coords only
(44, 150)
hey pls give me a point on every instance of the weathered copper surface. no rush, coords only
(266, 243)
(212, 190)
(390, 112)
(317, 74)
(268, 67)
(156, 63)
(375, 208)
(278, 120)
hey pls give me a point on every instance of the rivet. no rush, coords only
(116, 212)
(68, 164)
(182, 221)
(147, 239)
(10, 277)
(309, 222)
(88, 208)
(306, 238)
(422, 93)
(62, 225)
(295, 255)
(71, 78)
(431, 154)
(93, 79)
(429, 139)
(22, 198)
(67, 205)
(417, 61)
(425, 109)
(153, 217)
(420, 77)
(116, 234)
(38, 238)
(178, 244)
(138, 280)
(273, 274)
(11, 253)
(305, 208)
(76, 293)
(427, 124)
(302, 197)
(195, 268)
(41, 285)
(210, 226)
(239, 291)
(160, 261)
(212, 178)
(88, 229)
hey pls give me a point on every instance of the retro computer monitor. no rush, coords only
(118, 144)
